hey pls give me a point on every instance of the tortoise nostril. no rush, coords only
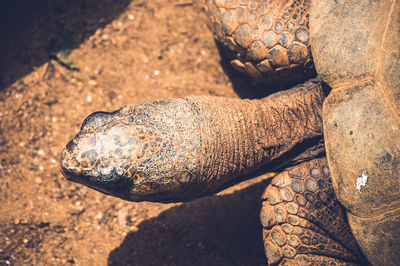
(96, 120)
(71, 146)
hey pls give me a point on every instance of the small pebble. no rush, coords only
(131, 17)
(92, 82)
(41, 152)
(122, 213)
(99, 215)
(89, 99)
(134, 228)
(38, 180)
(156, 72)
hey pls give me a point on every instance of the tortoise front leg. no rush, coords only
(303, 222)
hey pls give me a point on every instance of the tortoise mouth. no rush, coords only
(67, 174)
(111, 184)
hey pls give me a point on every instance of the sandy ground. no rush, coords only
(127, 52)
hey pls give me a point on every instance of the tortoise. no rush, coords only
(339, 209)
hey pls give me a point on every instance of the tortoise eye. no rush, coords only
(96, 121)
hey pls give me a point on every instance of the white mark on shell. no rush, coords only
(361, 181)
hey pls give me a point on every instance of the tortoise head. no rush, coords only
(118, 153)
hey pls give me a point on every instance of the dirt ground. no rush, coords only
(127, 52)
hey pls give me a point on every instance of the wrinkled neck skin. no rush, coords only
(181, 149)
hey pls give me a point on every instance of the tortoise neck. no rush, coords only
(239, 136)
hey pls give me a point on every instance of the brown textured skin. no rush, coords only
(301, 217)
(267, 40)
(180, 149)
(356, 47)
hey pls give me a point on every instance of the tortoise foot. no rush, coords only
(303, 223)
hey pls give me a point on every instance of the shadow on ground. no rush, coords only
(31, 31)
(217, 230)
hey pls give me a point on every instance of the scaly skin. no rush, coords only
(180, 149)
(268, 40)
(303, 221)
